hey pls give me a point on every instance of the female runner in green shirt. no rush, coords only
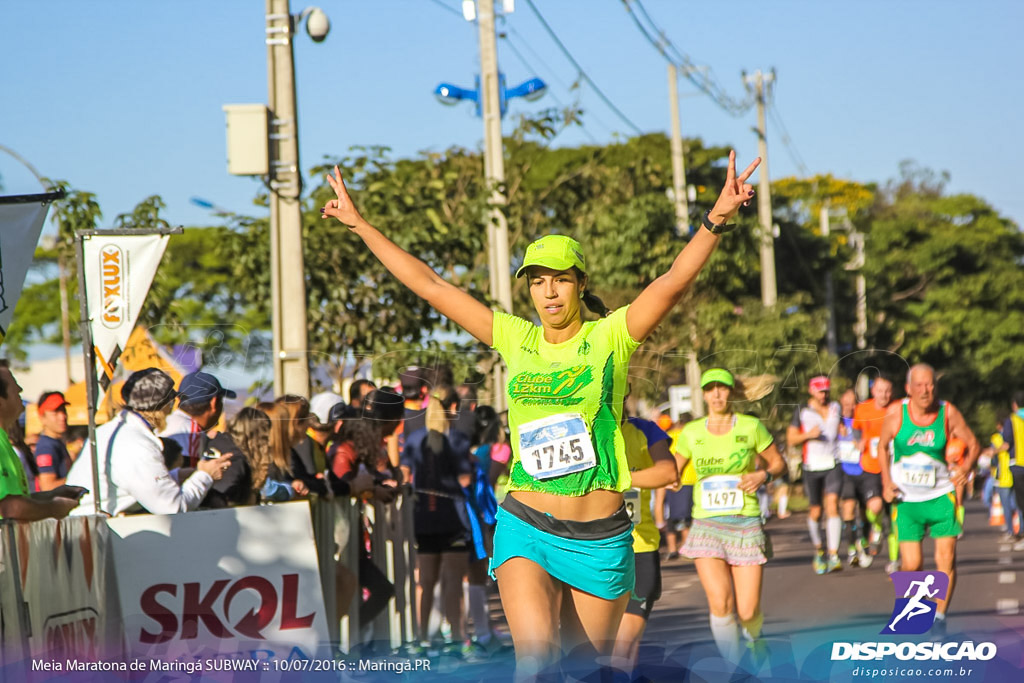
(567, 380)
(726, 541)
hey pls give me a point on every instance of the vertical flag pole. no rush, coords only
(89, 351)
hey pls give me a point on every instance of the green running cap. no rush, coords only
(716, 375)
(557, 252)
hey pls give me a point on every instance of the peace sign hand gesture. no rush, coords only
(736, 192)
(342, 208)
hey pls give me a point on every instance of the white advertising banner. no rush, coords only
(118, 272)
(66, 583)
(20, 225)
(215, 585)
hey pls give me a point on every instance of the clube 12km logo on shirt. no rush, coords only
(914, 615)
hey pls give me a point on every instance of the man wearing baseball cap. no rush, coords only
(52, 457)
(815, 428)
(132, 473)
(200, 405)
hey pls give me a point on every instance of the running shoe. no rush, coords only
(834, 564)
(1007, 538)
(1019, 545)
(893, 566)
(672, 556)
(756, 653)
(819, 563)
(864, 558)
(938, 630)
(852, 558)
(473, 652)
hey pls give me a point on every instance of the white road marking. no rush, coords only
(1007, 577)
(1007, 606)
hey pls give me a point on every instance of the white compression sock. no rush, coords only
(812, 526)
(727, 636)
(833, 531)
(783, 504)
(479, 612)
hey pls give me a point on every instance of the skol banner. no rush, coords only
(118, 272)
(21, 221)
(207, 585)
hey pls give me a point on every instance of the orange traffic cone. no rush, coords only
(996, 516)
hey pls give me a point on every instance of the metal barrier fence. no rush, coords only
(339, 527)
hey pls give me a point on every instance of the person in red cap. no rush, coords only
(52, 456)
(815, 428)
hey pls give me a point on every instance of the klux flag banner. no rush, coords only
(21, 221)
(118, 272)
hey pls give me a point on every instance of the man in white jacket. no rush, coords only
(132, 473)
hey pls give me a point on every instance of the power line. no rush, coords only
(787, 141)
(560, 103)
(448, 8)
(551, 71)
(583, 74)
(700, 77)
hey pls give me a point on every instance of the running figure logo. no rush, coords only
(914, 612)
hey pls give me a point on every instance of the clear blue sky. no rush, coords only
(124, 98)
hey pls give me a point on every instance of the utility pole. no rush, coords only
(861, 327)
(678, 164)
(494, 172)
(679, 199)
(287, 269)
(769, 295)
(830, 295)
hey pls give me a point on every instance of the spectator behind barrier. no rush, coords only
(138, 479)
(358, 391)
(16, 502)
(309, 457)
(200, 405)
(16, 435)
(282, 437)
(367, 444)
(52, 456)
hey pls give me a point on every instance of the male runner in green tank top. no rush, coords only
(919, 479)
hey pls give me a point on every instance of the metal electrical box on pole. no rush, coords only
(494, 172)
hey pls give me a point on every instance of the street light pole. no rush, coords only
(494, 172)
(287, 268)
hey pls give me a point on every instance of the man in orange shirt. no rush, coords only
(867, 428)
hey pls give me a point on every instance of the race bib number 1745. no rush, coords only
(556, 445)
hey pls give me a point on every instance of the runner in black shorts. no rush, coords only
(815, 427)
(856, 484)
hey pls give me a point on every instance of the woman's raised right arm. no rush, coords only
(452, 302)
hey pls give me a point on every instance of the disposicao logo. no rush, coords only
(914, 612)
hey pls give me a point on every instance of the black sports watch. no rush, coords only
(715, 229)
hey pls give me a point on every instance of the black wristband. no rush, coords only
(715, 229)
(768, 476)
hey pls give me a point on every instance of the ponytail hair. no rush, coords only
(594, 304)
(442, 399)
(591, 300)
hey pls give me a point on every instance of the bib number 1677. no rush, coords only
(567, 453)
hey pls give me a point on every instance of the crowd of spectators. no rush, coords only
(170, 450)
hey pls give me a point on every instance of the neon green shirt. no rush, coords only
(734, 452)
(12, 474)
(646, 537)
(585, 375)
